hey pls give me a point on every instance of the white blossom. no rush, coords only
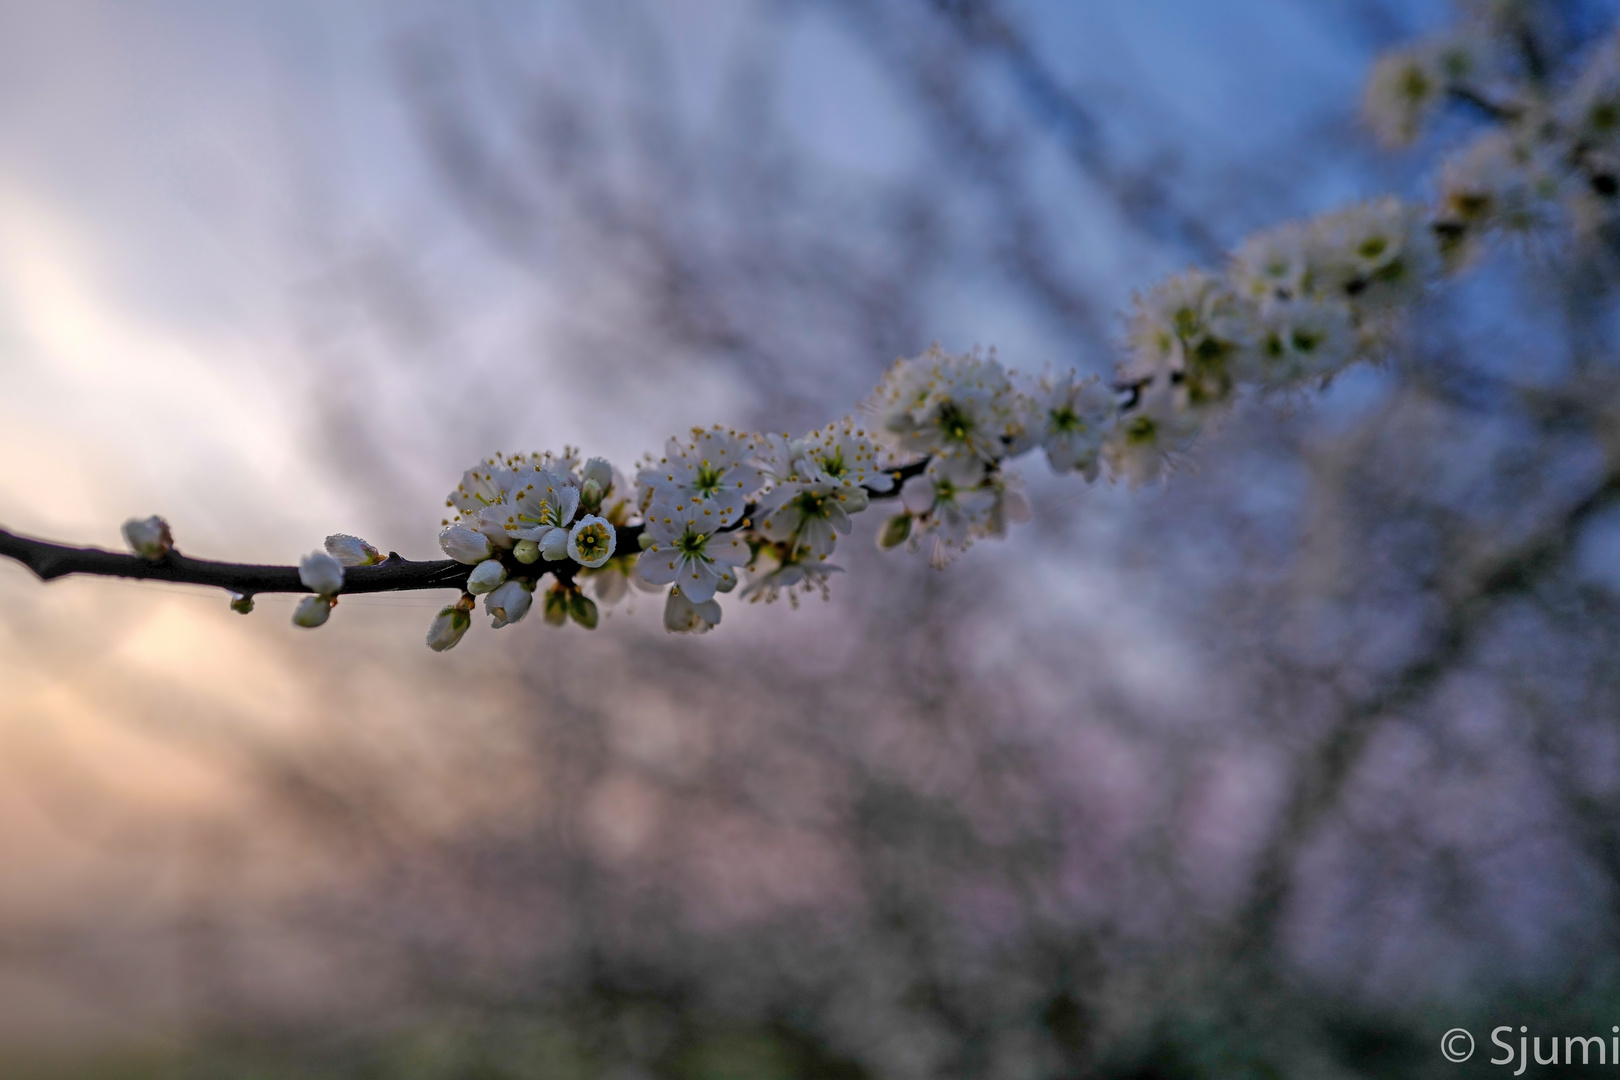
(953, 505)
(686, 550)
(312, 611)
(844, 453)
(483, 487)
(485, 577)
(508, 603)
(1273, 265)
(351, 550)
(1150, 438)
(321, 573)
(536, 504)
(1498, 183)
(149, 537)
(465, 545)
(713, 472)
(682, 616)
(591, 541)
(1379, 254)
(1190, 331)
(808, 516)
(611, 582)
(951, 406)
(1590, 111)
(1009, 505)
(1299, 341)
(1068, 416)
(1406, 89)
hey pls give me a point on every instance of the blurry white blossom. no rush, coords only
(1189, 331)
(1297, 342)
(312, 611)
(148, 537)
(1150, 439)
(1068, 417)
(321, 573)
(948, 405)
(682, 616)
(953, 502)
(1409, 85)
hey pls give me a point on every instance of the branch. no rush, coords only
(50, 561)
(1322, 782)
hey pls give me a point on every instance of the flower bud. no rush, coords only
(464, 545)
(582, 609)
(312, 611)
(508, 604)
(321, 573)
(644, 540)
(351, 550)
(554, 545)
(894, 531)
(242, 603)
(597, 471)
(556, 606)
(856, 500)
(486, 577)
(590, 496)
(447, 628)
(150, 539)
(526, 552)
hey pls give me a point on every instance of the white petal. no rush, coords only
(658, 567)
(321, 573)
(554, 544)
(698, 580)
(918, 494)
(728, 548)
(464, 545)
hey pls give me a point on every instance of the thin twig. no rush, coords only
(50, 561)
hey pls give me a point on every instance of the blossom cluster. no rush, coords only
(721, 511)
(1549, 162)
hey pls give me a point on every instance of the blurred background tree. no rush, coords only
(1281, 768)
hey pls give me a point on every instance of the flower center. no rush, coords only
(833, 464)
(591, 541)
(1066, 421)
(812, 504)
(707, 481)
(1372, 247)
(955, 423)
(1141, 431)
(691, 544)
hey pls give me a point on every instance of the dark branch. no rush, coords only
(1327, 771)
(1471, 97)
(50, 561)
